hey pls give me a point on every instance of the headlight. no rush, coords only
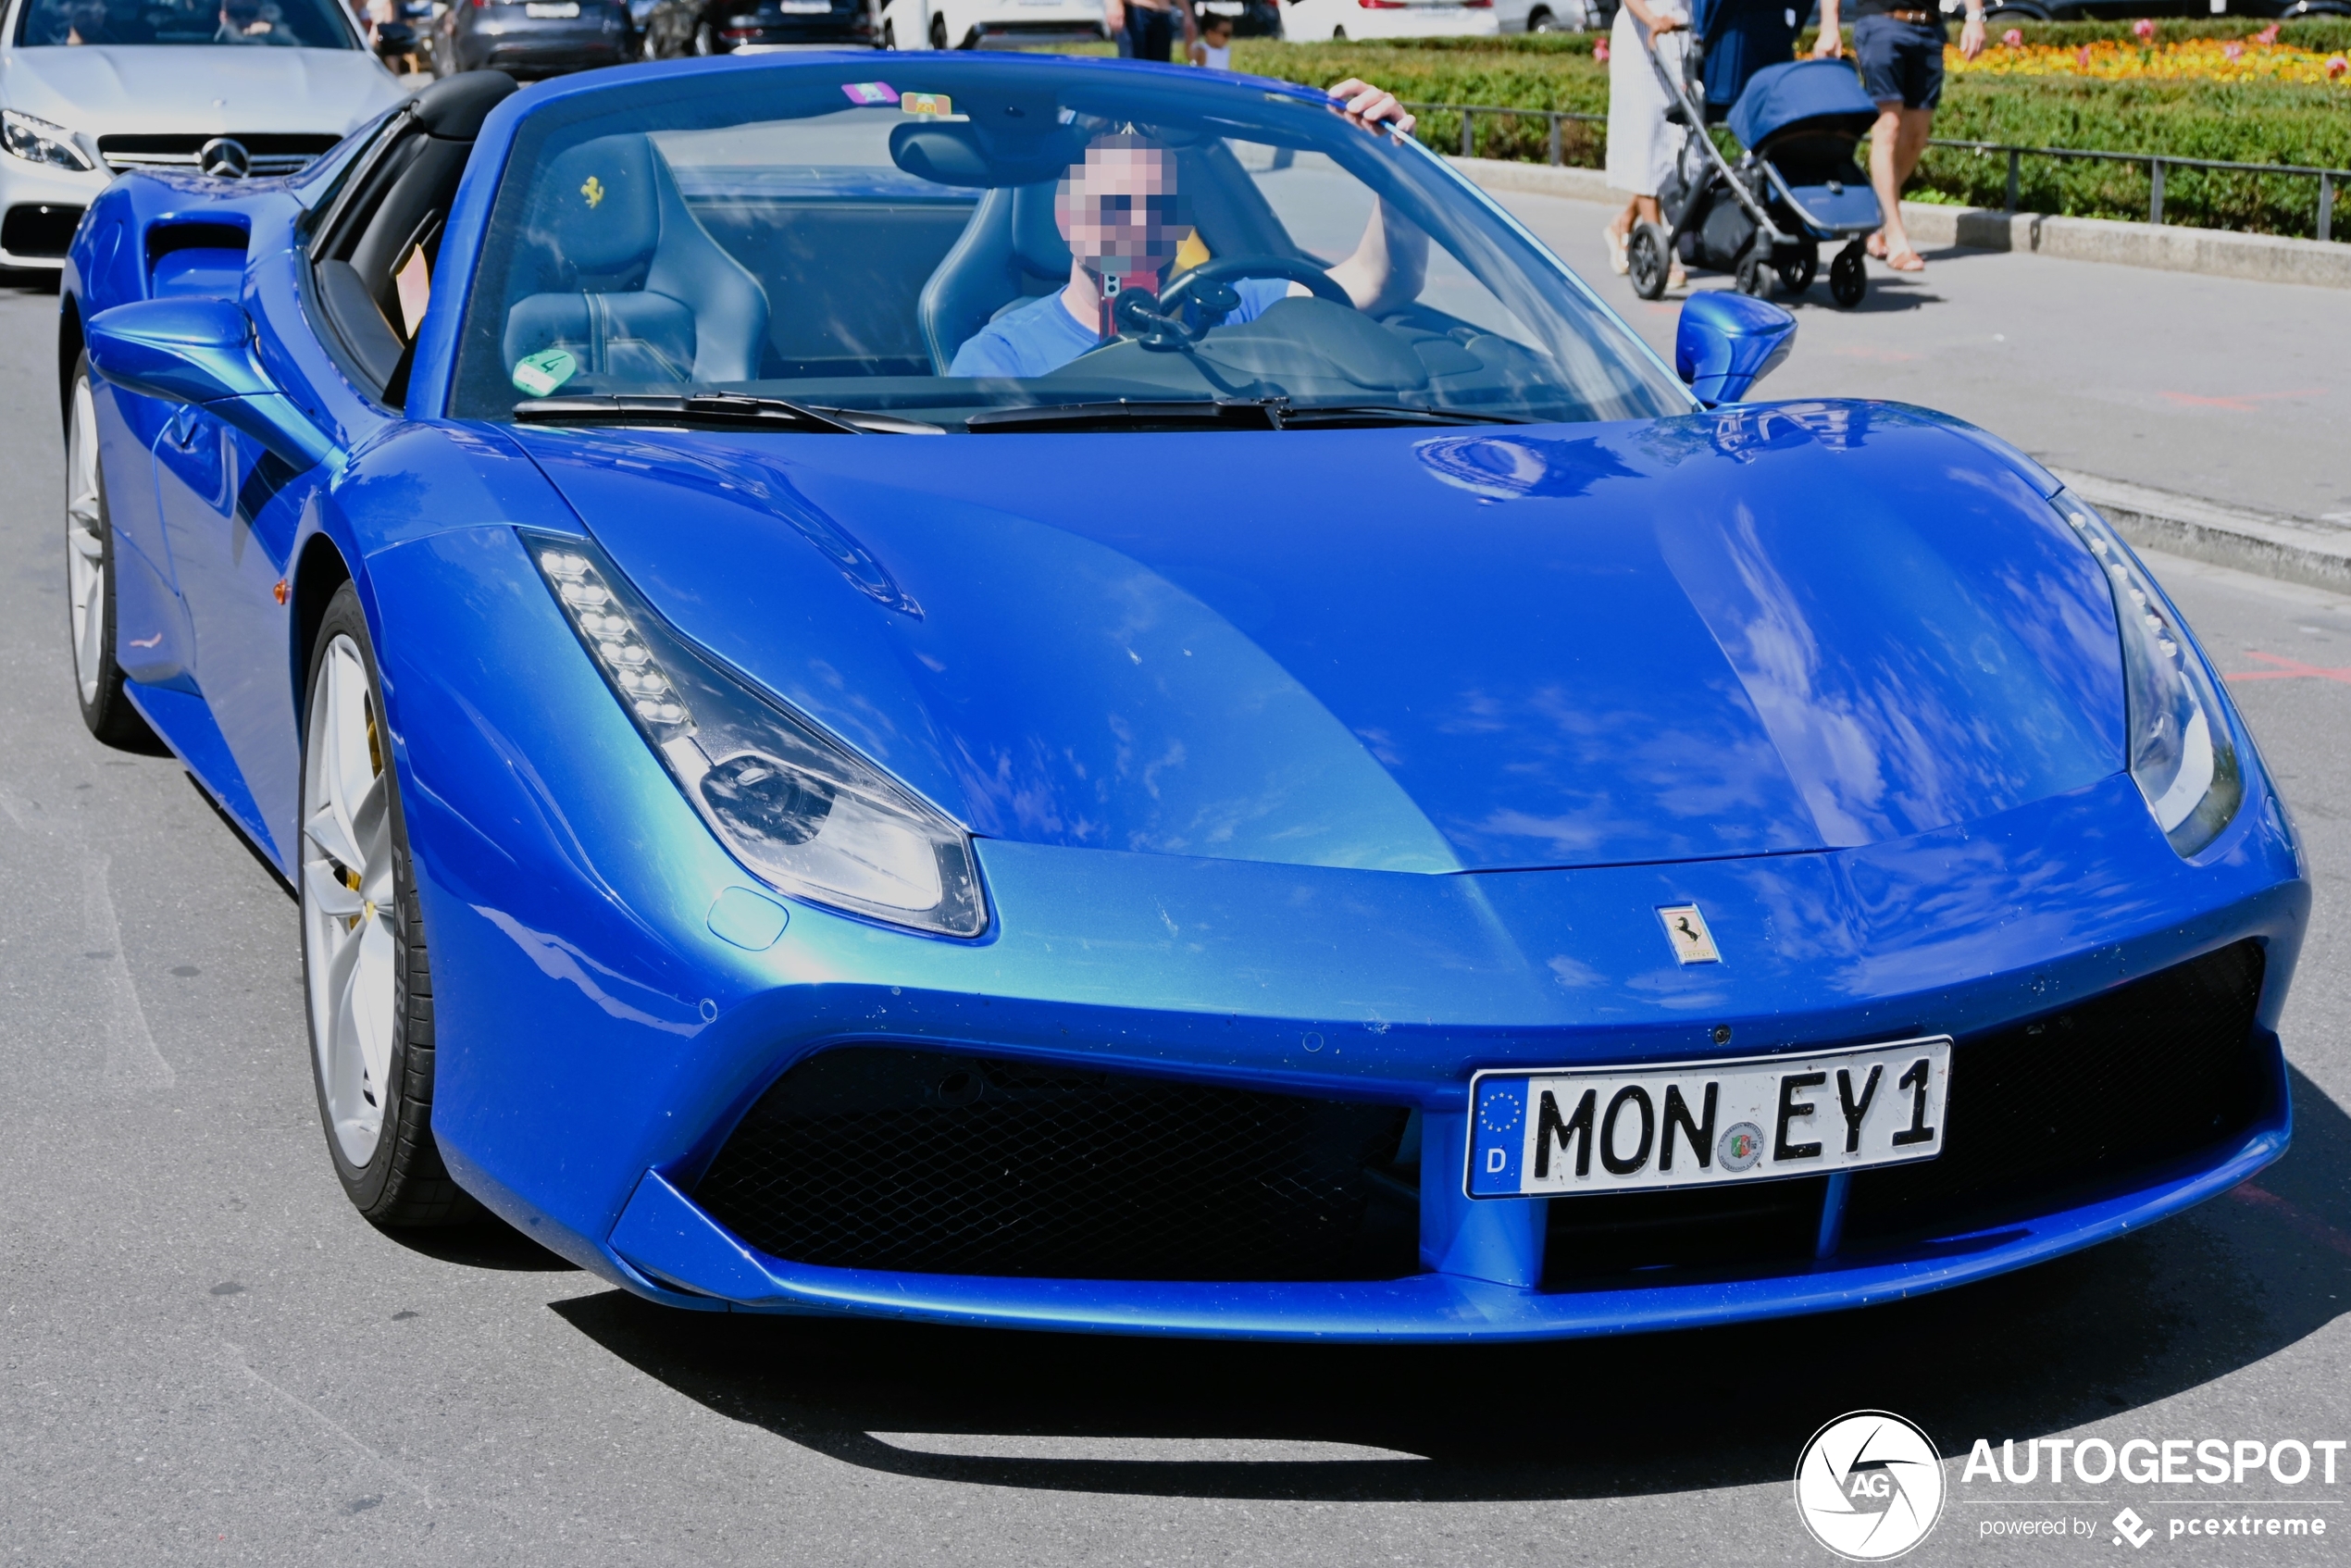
(37, 140)
(2182, 752)
(793, 806)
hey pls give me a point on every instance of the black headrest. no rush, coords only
(454, 107)
(599, 205)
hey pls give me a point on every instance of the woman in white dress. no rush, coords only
(1640, 143)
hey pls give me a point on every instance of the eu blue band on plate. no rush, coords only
(1498, 1137)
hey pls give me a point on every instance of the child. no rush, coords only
(1214, 47)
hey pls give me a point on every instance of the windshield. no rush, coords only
(997, 246)
(296, 24)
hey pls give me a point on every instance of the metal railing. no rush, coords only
(2157, 164)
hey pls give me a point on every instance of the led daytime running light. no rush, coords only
(37, 140)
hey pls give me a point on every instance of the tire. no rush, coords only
(1848, 278)
(366, 972)
(938, 32)
(1755, 277)
(705, 39)
(90, 581)
(1798, 272)
(1543, 21)
(1338, 35)
(1647, 260)
(889, 34)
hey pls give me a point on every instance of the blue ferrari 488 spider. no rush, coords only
(1092, 696)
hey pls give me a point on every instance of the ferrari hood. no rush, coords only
(218, 89)
(1752, 631)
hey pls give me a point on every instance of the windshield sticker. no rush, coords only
(927, 104)
(870, 92)
(542, 373)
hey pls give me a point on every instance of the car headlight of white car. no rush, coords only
(2182, 752)
(37, 140)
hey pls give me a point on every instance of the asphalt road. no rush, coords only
(2216, 387)
(210, 1358)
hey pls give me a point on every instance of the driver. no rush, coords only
(1120, 211)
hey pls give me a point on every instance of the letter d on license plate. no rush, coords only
(1699, 1123)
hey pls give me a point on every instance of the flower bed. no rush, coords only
(2258, 57)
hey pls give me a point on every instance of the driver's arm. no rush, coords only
(1391, 262)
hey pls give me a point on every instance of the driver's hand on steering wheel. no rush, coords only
(1368, 105)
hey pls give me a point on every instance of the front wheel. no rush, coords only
(365, 970)
(938, 32)
(1543, 21)
(1755, 277)
(1647, 260)
(889, 36)
(1848, 278)
(1798, 271)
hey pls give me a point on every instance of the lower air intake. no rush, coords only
(2092, 1099)
(871, 1157)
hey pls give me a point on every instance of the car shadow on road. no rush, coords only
(2112, 1329)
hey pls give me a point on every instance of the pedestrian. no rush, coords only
(1146, 29)
(1213, 48)
(1641, 145)
(1900, 52)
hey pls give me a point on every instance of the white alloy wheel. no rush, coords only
(85, 545)
(347, 901)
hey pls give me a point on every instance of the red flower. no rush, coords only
(2143, 30)
(2013, 39)
(2082, 56)
(2336, 66)
(2232, 53)
(1599, 50)
(2267, 37)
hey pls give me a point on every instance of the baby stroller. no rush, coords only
(1764, 217)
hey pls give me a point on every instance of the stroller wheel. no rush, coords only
(1798, 272)
(1647, 260)
(1755, 276)
(1849, 279)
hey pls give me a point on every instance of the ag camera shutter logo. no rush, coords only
(1869, 1485)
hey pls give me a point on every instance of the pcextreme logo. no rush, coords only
(1869, 1485)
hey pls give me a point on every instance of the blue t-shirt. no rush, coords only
(1042, 336)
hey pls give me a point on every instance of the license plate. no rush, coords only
(804, 7)
(551, 10)
(1701, 1123)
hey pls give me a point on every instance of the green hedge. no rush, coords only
(2237, 122)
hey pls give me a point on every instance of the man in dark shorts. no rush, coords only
(1900, 52)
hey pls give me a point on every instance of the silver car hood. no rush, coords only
(216, 89)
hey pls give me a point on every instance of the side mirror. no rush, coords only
(200, 352)
(1727, 343)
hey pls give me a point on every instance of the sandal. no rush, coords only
(1906, 260)
(1617, 262)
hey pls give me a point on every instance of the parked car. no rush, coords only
(983, 24)
(1316, 21)
(679, 29)
(1250, 18)
(531, 38)
(89, 88)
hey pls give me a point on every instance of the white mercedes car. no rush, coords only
(89, 88)
(989, 24)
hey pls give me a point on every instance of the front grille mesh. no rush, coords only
(2048, 1113)
(272, 152)
(874, 1157)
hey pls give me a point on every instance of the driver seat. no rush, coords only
(1010, 252)
(636, 288)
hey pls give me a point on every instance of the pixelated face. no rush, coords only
(1120, 210)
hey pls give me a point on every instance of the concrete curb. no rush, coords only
(2296, 548)
(2216, 253)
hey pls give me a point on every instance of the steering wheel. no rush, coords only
(1213, 304)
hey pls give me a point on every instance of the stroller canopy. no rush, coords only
(1740, 38)
(1822, 92)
